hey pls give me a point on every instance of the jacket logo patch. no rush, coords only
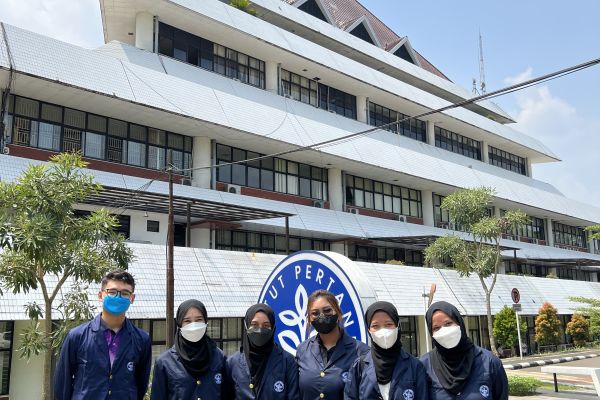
(345, 377)
(278, 386)
(484, 390)
(408, 394)
(130, 366)
(218, 379)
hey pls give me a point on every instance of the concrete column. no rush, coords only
(362, 109)
(502, 267)
(339, 248)
(497, 212)
(431, 133)
(594, 276)
(335, 189)
(485, 153)
(144, 31)
(552, 271)
(424, 340)
(529, 168)
(201, 157)
(272, 77)
(25, 376)
(427, 204)
(549, 233)
(200, 238)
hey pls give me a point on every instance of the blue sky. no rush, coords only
(522, 39)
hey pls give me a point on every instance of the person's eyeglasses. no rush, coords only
(325, 311)
(122, 293)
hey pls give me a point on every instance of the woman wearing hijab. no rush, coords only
(324, 359)
(458, 369)
(387, 371)
(193, 368)
(261, 369)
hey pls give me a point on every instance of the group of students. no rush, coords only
(110, 358)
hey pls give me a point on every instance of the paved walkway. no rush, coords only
(546, 359)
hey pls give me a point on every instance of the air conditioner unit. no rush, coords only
(402, 218)
(512, 237)
(235, 189)
(287, 96)
(444, 225)
(6, 151)
(318, 203)
(352, 210)
(186, 181)
(537, 241)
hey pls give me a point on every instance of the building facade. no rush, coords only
(228, 99)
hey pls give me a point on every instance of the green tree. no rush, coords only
(244, 5)
(579, 329)
(505, 328)
(594, 231)
(547, 326)
(49, 246)
(481, 255)
(592, 310)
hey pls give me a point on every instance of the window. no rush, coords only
(299, 88)
(203, 53)
(514, 268)
(380, 255)
(412, 128)
(361, 32)
(534, 228)
(227, 333)
(313, 9)
(367, 193)
(268, 243)
(440, 216)
(152, 226)
(336, 101)
(42, 125)
(273, 174)
(6, 344)
(403, 53)
(508, 161)
(569, 236)
(456, 143)
(408, 334)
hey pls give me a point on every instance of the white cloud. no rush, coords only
(522, 77)
(73, 21)
(573, 137)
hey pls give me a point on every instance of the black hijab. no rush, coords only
(451, 366)
(257, 357)
(384, 359)
(195, 356)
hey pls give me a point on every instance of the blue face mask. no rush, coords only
(115, 305)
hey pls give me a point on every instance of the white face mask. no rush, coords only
(385, 338)
(448, 336)
(194, 331)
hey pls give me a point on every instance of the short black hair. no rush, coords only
(119, 275)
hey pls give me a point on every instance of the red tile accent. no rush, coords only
(266, 194)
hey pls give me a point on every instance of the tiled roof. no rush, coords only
(346, 12)
(228, 282)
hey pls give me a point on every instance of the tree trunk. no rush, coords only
(47, 328)
(488, 305)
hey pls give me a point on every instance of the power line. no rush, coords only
(352, 136)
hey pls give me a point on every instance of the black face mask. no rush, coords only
(258, 337)
(325, 323)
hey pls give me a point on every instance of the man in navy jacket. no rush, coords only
(108, 357)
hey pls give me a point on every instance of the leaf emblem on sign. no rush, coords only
(296, 320)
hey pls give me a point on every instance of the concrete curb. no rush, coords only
(549, 362)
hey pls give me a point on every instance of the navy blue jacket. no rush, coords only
(318, 381)
(487, 380)
(279, 381)
(84, 371)
(409, 380)
(170, 379)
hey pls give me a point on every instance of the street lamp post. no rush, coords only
(170, 329)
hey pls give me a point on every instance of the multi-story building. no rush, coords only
(209, 89)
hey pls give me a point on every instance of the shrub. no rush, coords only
(547, 326)
(505, 328)
(522, 385)
(579, 329)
